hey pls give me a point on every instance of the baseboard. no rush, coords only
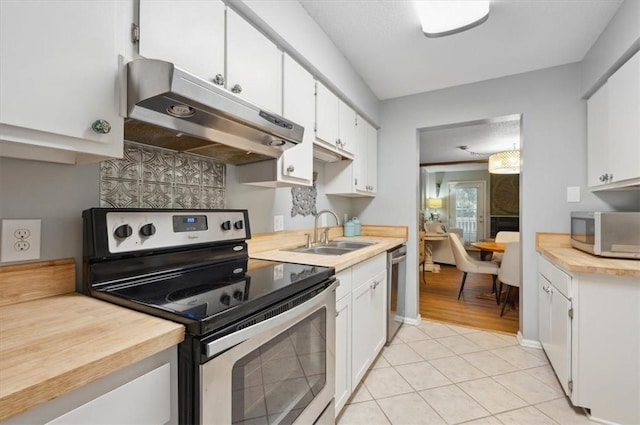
(414, 322)
(531, 343)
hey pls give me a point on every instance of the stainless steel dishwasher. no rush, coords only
(396, 283)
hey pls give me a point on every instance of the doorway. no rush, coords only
(467, 209)
(454, 158)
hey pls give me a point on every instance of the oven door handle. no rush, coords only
(219, 345)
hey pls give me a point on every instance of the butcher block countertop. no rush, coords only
(556, 247)
(53, 340)
(273, 246)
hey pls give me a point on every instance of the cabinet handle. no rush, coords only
(609, 177)
(375, 284)
(545, 289)
(337, 313)
(236, 89)
(356, 182)
(218, 80)
(290, 169)
(101, 126)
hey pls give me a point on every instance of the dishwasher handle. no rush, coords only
(400, 259)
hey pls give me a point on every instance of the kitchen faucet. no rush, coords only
(315, 226)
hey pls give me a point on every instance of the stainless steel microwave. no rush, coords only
(607, 234)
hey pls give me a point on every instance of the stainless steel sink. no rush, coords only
(332, 248)
(349, 245)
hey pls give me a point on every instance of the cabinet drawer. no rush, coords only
(368, 269)
(345, 283)
(559, 279)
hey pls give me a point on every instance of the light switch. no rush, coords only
(573, 194)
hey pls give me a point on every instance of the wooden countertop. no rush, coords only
(556, 247)
(53, 340)
(272, 246)
(339, 262)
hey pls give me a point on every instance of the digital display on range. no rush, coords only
(189, 223)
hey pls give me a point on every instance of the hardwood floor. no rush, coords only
(438, 301)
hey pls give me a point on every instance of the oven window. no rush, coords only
(274, 383)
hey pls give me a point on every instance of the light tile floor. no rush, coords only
(437, 373)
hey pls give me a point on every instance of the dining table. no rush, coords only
(488, 247)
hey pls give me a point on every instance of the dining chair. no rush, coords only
(504, 237)
(466, 264)
(509, 272)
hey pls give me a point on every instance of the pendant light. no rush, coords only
(505, 162)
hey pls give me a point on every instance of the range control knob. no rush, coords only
(238, 295)
(226, 225)
(147, 230)
(123, 231)
(225, 299)
(238, 224)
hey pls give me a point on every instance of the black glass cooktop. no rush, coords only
(209, 297)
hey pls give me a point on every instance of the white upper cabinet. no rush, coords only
(254, 64)
(614, 130)
(335, 122)
(366, 159)
(357, 177)
(60, 79)
(295, 166)
(624, 121)
(189, 34)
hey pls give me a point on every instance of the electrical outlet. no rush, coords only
(20, 240)
(278, 223)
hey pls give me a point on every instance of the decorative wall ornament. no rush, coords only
(304, 199)
(151, 177)
(505, 194)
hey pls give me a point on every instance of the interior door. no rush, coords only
(467, 209)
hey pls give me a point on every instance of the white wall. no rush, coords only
(264, 203)
(554, 156)
(55, 193)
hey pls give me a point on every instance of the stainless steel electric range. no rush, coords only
(260, 335)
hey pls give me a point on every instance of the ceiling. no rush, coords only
(383, 40)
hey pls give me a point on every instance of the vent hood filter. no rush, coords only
(173, 109)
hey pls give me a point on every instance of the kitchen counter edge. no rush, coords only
(556, 247)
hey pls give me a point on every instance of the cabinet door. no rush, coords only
(597, 137)
(624, 121)
(254, 64)
(59, 71)
(188, 33)
(327, 116)
(378, 313)
(361, 335)
(555, 330)
(372, 158)
(343, 351)
(145, 400)
(360, 153)
(347, 127)
(296, 164)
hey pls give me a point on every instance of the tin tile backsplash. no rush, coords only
(151, 177)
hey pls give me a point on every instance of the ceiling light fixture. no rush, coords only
(445, 17)
(505, 162)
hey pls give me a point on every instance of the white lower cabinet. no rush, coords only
(360, 323)
(143, 393)
(589, 327)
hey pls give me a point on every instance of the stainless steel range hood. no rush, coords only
(171, 108)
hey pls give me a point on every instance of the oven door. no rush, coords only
(278, 371)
